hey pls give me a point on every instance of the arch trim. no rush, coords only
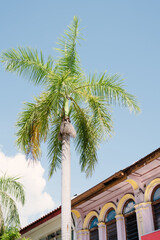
(149, 189)
(88, 218)
(104, 209)
(122, 202)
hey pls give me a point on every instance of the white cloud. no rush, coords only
(38, 201)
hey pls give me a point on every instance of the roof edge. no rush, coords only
(41, 220)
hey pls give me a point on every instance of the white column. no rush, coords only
(102, 231)
(144, 218)
(120, 227)
(66, 189)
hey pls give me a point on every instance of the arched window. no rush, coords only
(111, 228)
(93, 228)
(130, 220)
(156, 207)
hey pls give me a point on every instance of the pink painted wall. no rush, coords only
(152, 236)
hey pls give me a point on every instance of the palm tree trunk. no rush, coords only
(66, 131)
(66, 188)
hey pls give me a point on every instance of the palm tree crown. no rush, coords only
(68, 94)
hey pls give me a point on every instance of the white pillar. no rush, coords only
(121, 233)
(102, 231)
(144, 218)
(66, 189)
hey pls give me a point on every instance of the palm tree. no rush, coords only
(11, 191)
(69, 96)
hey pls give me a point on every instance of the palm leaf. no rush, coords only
(10, 210)
(112, 88)
(12, 186)
(69, 61)
(86, 139)
(28, 63)
(101, 116)
(54, 146)
(28, 131)
(33, 127)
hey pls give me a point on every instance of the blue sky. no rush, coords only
(120, 37)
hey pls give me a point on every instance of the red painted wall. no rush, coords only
(152, 236)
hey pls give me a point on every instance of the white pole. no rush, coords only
(66, 188)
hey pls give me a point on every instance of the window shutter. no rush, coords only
(112, 231)
(131, 227)
(156, 212)
(94, 235)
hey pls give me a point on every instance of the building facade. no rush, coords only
(125, 206)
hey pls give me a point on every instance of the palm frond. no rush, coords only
(59, 87)
(28, 131)
(34, 122)
(112, 88)
(54, 146)
(86, 139)
(10, 210)
(101, 116)
(28, 63)
(69, 61)
(12, 186)
(33, 126)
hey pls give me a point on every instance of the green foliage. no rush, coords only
(11, 233)
(11, 191)
(28, 63)
(90, 100)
